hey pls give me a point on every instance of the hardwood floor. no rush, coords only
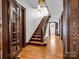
(53, 50)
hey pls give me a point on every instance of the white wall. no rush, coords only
(55, 8)
(33, 18)
(33, 3)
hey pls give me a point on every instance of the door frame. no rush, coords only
(49, 27)
(61, 26)
(5, 27)
(24, 27)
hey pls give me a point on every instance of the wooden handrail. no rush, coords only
(44, 26)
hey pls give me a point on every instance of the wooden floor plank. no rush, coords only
(53, 50)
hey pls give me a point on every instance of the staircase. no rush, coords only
(38, 36)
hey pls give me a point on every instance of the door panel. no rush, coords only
(71, 29)
(14, 29)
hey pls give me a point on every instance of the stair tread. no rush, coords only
(37, 35)
(38, 31)
(36, 38)
(37, 42)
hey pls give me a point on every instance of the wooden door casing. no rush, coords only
(23, 29)
(61, 26)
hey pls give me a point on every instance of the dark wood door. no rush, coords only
(71, 29)
(74, 29)
(15, 32)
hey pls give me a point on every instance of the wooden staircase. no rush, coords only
(38, 36)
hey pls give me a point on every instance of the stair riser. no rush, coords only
(37, 33)
(36, 36)
(37, 44)
(37, 40)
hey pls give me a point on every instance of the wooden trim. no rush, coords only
(48, 11)
(61, 26)
(67, 21)
(45, 26)
(5, 28)
(24, 26)
(68, 27)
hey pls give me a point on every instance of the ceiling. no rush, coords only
(33, 3)
(55, 7)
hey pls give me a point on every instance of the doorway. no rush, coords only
(53, 28)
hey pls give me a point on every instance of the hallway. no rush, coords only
(31, 21)
(53, 50)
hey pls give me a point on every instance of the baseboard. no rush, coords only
(27, 43)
